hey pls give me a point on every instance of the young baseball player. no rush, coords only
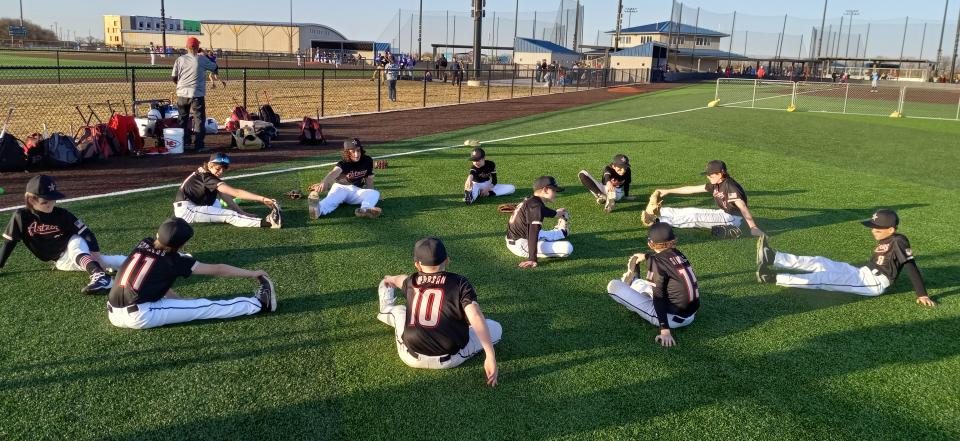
(723, 223)
(614, 185)
(668, 297)
(526, 225)
(891, 255)
(199, 198)
(54, 234)
(482, 180)
(142, 297)
(350, 181)
(441, 325)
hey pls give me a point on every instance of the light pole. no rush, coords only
(420, 32)
(477, 34)
(943, 27)
(851, 13)
(163, 23)
(630, 12)
(823, 23)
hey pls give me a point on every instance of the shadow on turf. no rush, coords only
(820, 217)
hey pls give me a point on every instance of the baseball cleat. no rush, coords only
(266, 294)
(370, 213)
(601, 200)
(765, 254)
(275, 218)
(608, 207)
(725, 232)
(648, 219)
(765, 275)
(99, 283)
(468, 197)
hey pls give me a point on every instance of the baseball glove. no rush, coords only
(472, 143)
(294, 194)
(725, 232)
(380, 164)
(652, 212)
(506, 208)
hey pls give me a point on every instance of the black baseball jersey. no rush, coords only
(45, 234)
(148, 273)
(355, 173)
(485, 173)
(436, 317)
(200, 188)
(622, 181)
(529, 212)
(675, 291)
(725, 193)
(890, 255)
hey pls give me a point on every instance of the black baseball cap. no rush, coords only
(715, 166)
(660, 232)
(45, 187)
(220, 158)
(544, 182)
(174, 232)
(351, 144)
(477, 154)
(429, 251)
(882, 218)
(621, 160)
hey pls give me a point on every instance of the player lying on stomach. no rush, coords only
(668, 296)
(441, 325)
(54, 234)
(891, 255)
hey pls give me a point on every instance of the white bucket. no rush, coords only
(173, 140)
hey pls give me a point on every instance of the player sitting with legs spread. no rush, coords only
(441, 325)
(669, 296)
(54, 234)
(142, 297)
(724, 223)
(615, 183)
(482, 180)
(350, 181)
(891, 255)
(199, 196)
(526, 226)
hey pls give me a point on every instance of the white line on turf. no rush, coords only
(392, 155)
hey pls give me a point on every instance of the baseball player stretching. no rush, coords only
(198, 199)
(891, 255)
(669, 296)
(615, 182)
(142, 297)
(723, 223)
(482, 180)
(53, 234)
(350, 181)
(526, 226)
(441, 325)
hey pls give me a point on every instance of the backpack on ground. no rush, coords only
(87, 141)
(33, 150)
(311, 132)
(11, 154)
(59, 150)
(246, 138)
(239, 114)
(266, 110)
(128, 134)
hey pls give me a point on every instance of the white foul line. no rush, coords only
(392, 155)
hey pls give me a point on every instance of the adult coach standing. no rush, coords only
(190, 75)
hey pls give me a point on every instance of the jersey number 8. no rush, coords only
(426, 308)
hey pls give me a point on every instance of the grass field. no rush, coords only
(759, 362)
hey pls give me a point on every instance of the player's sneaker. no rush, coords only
(601, 200)
(99, 283)
(266, 294)
(387, 297)
(611, 201)
(725, 232)
(563, 222)
(765, 254)
(766, 275)
(647, 218)
(275, 218)
(370, 213)
(468, 197)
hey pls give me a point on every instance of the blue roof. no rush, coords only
(663, 27)
(710, 53)
(646, 50)
(540, 46)
(643, 50)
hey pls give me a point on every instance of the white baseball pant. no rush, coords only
(169, 311)
(499, 189)
(77, 246)
(828, 275)
(697, 217)
(216, 214)
(551, 243)
(395, 316)
(350, 194)
(638, 297)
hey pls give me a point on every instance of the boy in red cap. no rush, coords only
(189, 73)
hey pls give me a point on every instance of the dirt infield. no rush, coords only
(130, 172)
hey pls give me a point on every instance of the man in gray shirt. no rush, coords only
(190, 75)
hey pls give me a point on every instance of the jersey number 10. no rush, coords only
(426, 308)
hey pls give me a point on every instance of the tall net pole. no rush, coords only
(943, 27)
(956, 45)
(823, 23)
(477, 34)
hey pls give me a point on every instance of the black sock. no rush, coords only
(492, 193)
(86, 262)
(264, 223)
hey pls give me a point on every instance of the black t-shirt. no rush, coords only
(148, 274)
(725, 193)
(676, 291)
(621, 181)
(45, 234)
(529, 212)
(484, 173)
(355, 173)
(200, 188)
(890, 255)
(436, 318)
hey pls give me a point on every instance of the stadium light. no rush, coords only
(851, 13)
(630, 12)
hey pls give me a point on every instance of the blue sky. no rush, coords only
(369, 19)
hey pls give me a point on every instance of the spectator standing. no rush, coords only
(189, 74)
(153, 54)
(539, 73)
(443, 67)
(392, 73)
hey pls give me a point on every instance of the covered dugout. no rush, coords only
(650, 55)
(527, 51)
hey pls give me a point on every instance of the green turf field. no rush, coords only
(759, 362)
